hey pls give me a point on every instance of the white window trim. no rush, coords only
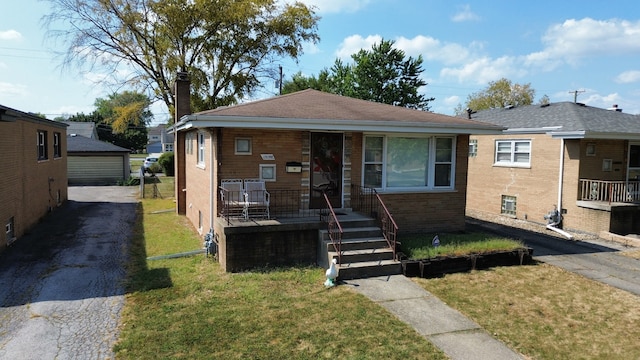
(268, 166)
(430, 187)
(512, 163)
(473, 147)
(201, 149)
(243, 152)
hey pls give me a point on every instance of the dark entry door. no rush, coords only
(326, 169)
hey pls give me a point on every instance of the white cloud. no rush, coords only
(13, 90)
(354, 43)
(451, 100)
(336, 6)
(10, 35)
(576, 39)
(626, 77)
(465, 14)
(485, 69)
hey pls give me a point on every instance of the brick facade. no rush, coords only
(536, 187)
(30, 188)
(414, 212)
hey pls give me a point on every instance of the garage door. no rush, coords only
(95, 170)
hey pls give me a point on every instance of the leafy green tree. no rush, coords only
(120, 119)
(300, 82)
(499, 94)
(124, 110)
(226, 46)
(383, 74)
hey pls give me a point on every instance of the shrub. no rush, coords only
(166, 160)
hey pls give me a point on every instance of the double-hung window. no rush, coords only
(201, 148)
(408, 162)
(513, 153)
(42, 145)
(57, 149)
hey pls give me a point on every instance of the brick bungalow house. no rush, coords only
(309, 142)
(34, 171)
(582, 159)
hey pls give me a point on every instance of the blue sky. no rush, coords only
(556, 46)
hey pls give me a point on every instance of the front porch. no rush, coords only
(614, 204)
(293, 236)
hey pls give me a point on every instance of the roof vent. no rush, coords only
(509, 107)
(545, 105)
(615, 108)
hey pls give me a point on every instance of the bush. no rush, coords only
(167, 162)
(155, 168)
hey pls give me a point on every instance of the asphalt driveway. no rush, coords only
(61, 285)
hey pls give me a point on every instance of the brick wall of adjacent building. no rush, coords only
(30, 188)
(536, 187)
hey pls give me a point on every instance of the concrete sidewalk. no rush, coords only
(457, 336)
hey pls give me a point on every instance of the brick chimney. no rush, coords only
(183, 96)
(182, 107)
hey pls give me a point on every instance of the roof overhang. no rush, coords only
(390, 126)
(594, 135)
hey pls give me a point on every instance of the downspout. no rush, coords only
(211, 179)
(552, 226)
(561, 175)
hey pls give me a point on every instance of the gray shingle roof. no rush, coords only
(86, 129)
(84, 144)
(570, 118)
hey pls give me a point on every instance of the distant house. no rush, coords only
(309, 144)
(95, 162)
(80, 128)
(159, 140)
(34, 170)
(581, 159)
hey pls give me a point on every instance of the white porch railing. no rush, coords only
(609, 191)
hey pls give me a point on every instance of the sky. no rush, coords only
(587, 50)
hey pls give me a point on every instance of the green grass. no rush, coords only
(545, 312)
(188, 308)
(165, 186)
(421, 247)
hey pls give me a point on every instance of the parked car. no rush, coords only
(148, 161)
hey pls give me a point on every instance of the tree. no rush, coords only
(381, 74)
(226, 46)
(124, 110)
(300, 82)
(499, 94)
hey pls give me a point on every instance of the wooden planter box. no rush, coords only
(439, 266)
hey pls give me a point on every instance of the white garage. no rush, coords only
(94, 162)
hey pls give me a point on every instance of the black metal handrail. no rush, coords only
(367, 201)
(283, 203)
(333, 227)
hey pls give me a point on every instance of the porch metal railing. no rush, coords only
(609, 191)
(282, 204)
(334, 228)
(367, 200)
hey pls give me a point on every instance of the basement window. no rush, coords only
(10, 230)
(508, 205)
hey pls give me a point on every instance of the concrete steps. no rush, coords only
(365, 252)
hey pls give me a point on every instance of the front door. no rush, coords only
(326, 169)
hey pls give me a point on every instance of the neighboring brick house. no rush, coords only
(34, 171)
(582, 159)
(311, 141)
